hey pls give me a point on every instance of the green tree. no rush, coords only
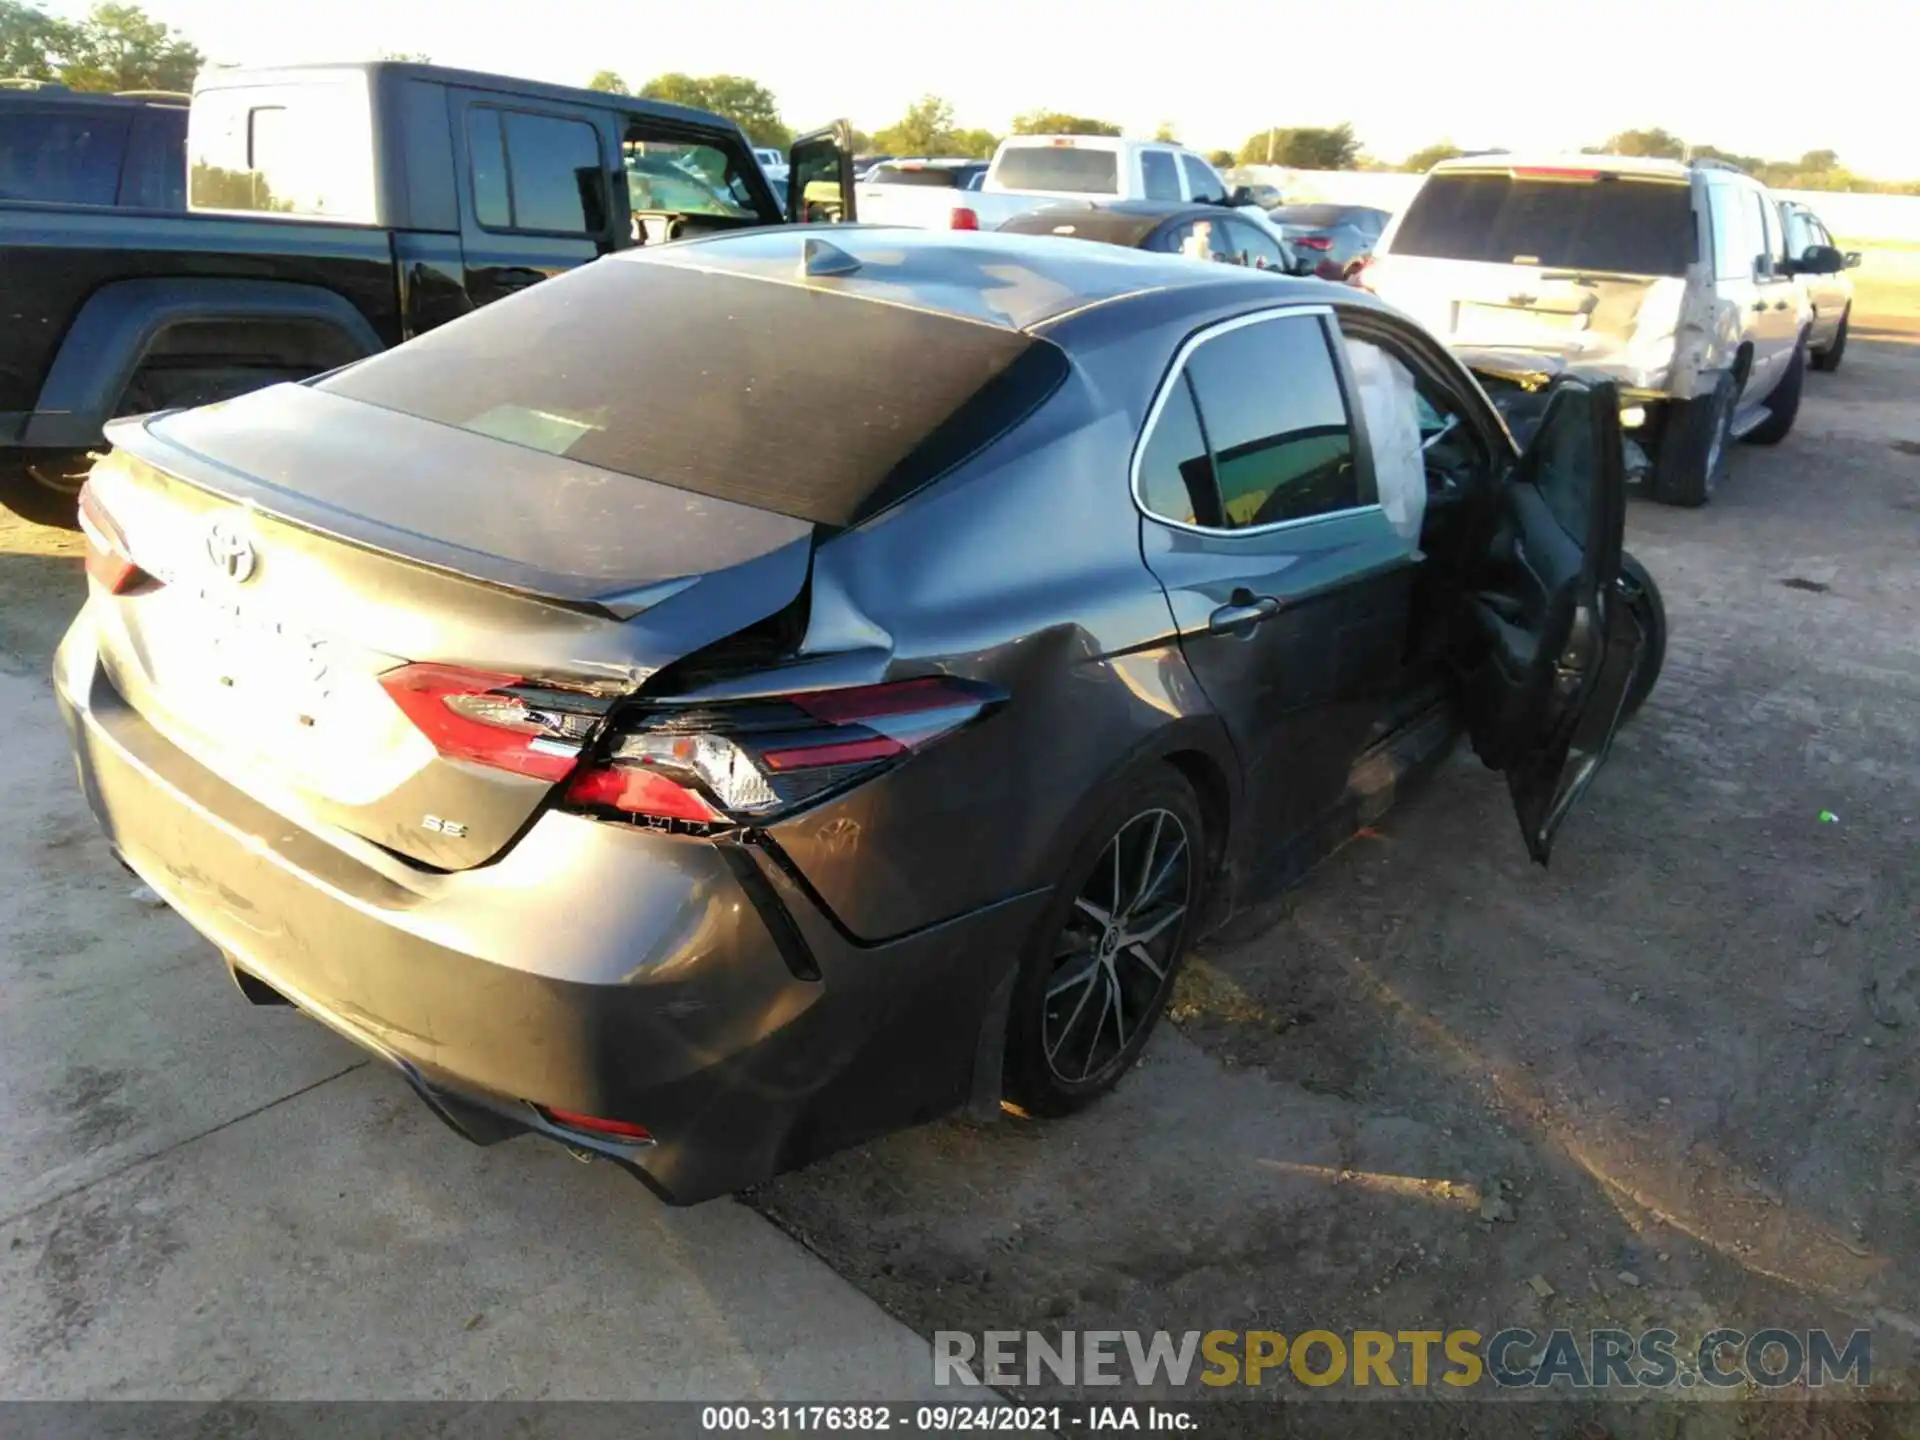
(608, 82)
(747, 103)
(1221, 159)
(121, 47)
(973, 144)
(408, 57)
(1656, 144)
(1056, 122)
(32, 42)
(1751, 163)
(1814, 162)
(926, 129)
(1421, 161)
(1164, 133)
(1306, 147)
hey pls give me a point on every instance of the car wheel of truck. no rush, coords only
(1637, 588)
(45, 490)
(1692, 455)
(1104, 953)
(1829, 358)
(1784, 404)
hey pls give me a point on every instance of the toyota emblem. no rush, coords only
(230, 550)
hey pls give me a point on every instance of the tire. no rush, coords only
(46, 488)
(1061, 1053)
(1784, 404)
(1642, 595)
(1828, 360)
(1692, 455)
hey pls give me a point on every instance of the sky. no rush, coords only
(1758, 77)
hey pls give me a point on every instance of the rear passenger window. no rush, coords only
(155, 172)
(550, 177)
(1176, 473)
(73, 159)
(1158, 176)
(1276, 422)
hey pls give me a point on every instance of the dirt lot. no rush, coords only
(1670, 1081)
(1683, 1058)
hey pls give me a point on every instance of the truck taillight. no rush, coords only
(963, 218)
(752, 760)
(108, 560)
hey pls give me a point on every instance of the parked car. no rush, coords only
(1667, 277)
(1267, 197)
(1821, 267)
(637, 754)
(928, 193)
(66, 148)
(1199, 232)
(334, 210)
(1337, 239)
(772, 162)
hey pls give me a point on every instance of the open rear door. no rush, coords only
(820, 176)
(1551, 647)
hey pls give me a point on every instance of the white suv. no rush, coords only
(1672, 279)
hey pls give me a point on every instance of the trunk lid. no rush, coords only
(307, 544)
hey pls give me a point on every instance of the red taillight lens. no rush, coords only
(493, 719)
(1314, 242)
(963, 218)
(107, 559)
(756, 759)
(595, 1125)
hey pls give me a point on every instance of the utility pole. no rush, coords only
(1270, 130)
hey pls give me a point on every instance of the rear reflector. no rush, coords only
(595, 1125)
(108, 561)
(492, 719)
(963, 219)
(640, 791)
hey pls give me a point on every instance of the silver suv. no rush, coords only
(1670, 278)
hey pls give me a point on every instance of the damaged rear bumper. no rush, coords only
(689, 986)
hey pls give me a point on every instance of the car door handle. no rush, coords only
(1239, 617)
(1758, 306)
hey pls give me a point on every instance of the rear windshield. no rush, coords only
(952, 177)
(297, 149)
(1316, 215)
(821, 406)
(1632, 227)
(68, 156)
(1059, 167)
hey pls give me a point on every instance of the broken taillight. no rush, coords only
(752, 760)
(108, 560)
(495, 720)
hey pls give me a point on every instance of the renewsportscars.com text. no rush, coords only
(1413, 1359)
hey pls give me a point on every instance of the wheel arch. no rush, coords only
(122, 324)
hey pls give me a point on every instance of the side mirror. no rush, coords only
(1820, 260)
(1240, 196)
(1853, 259)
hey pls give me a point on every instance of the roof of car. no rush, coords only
(1612, 164)
(225, 78)
(1011, 281)
(61, 95)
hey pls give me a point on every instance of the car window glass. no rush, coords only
(1253, 247)
(1735, 241)
(70, 158)
(1399, 420)
(1275, 421)
(1176, 473)
(1631, 226)
(1772, 247)
(1799, 229)
(491, 204)
(304, 149)
(1158, 176)
(687, 179)
(1201, 180)
(554, 165)
(155, 175)
(1060, 166)
(1191, 238)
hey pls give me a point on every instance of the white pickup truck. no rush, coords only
(1029, 171)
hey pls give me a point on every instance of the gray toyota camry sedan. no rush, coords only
(747, 695)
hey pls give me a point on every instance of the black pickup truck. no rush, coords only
(337, 210)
